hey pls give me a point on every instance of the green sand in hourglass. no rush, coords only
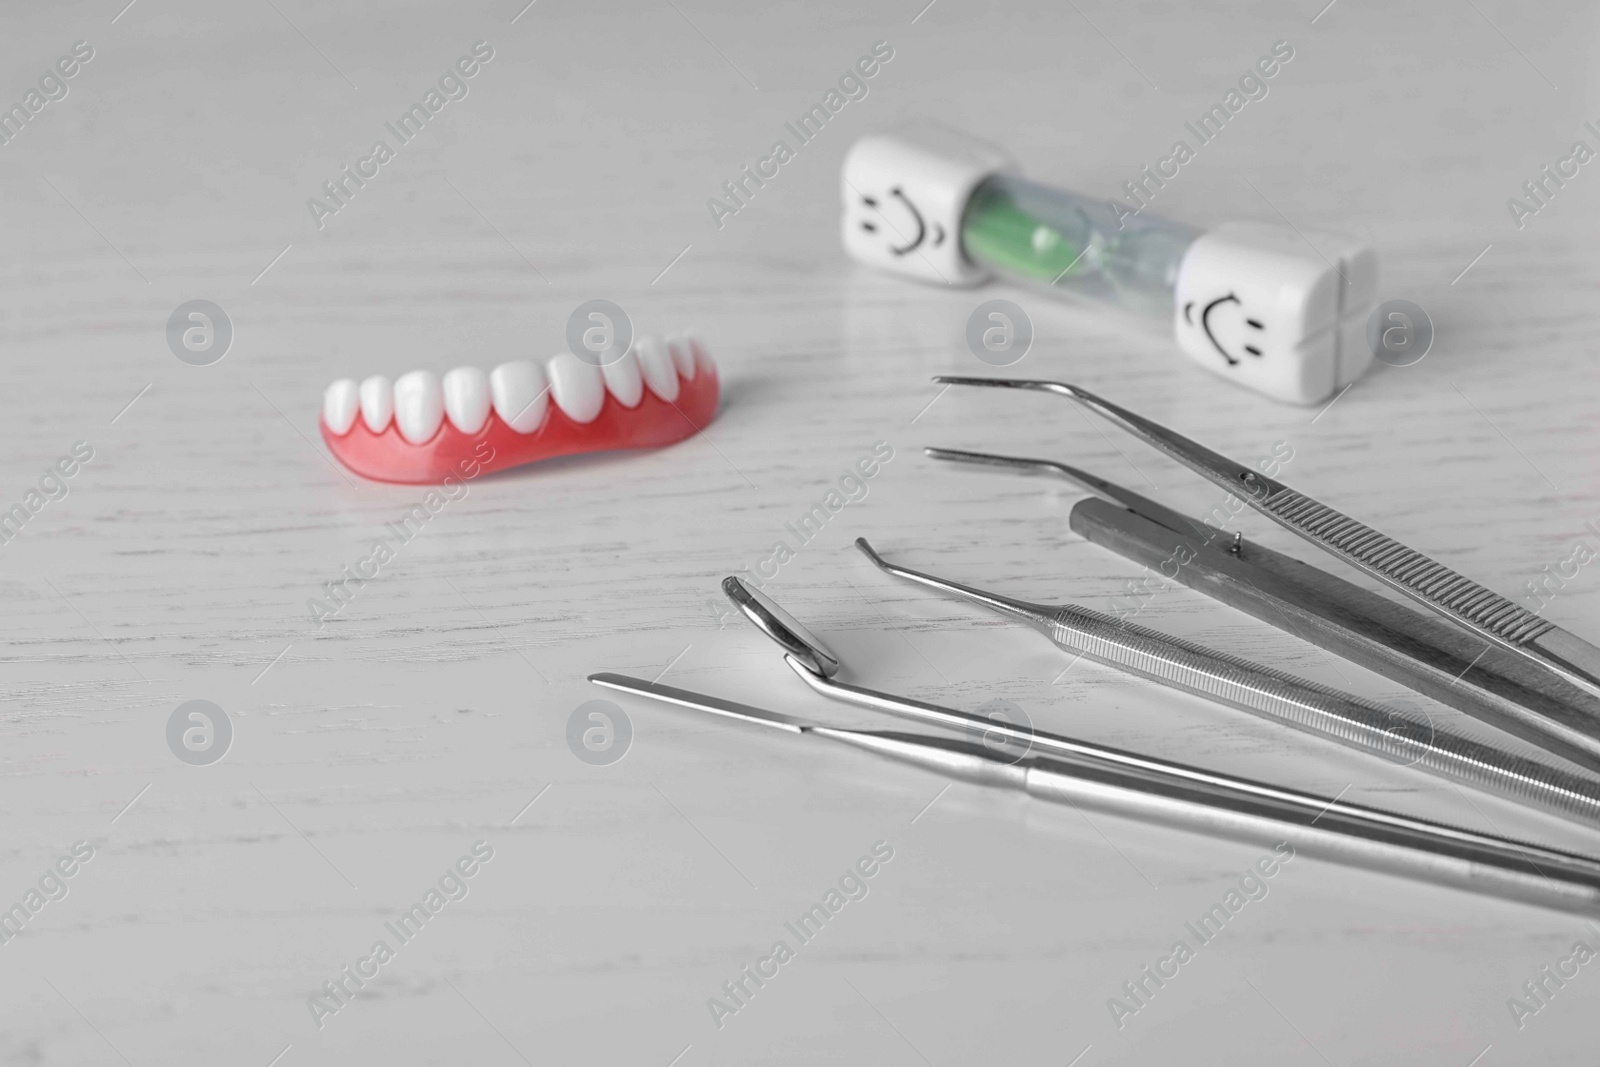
(1066, 243)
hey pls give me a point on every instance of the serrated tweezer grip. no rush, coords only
(1407, 568)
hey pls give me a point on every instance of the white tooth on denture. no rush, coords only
(377, 402)
(660, 373)
(625, 380)
(682, 356)
(340, 402)
(466, 398)
(521, 394)
(418, 405)
(578, 387)
(702, 356)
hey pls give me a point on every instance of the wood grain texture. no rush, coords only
(372, 752)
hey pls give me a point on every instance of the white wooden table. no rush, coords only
(369, 755)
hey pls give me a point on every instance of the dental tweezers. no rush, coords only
(1481, 611)
(1127, 784)
(1418, 650)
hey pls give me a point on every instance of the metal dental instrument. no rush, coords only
(1483, 612)
(1187, 798)
(818, 667)
(782, 627)
(1418, 650)
(1166, 516)
(1273, 694)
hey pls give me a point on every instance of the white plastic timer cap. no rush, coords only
(1277, 311)
(904, 193)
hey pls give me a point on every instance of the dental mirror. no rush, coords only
(781, 627)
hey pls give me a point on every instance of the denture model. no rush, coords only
(421, 428)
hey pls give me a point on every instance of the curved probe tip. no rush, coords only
(1034, 614)
(988, 459)
(867, 550)
(1063, 388)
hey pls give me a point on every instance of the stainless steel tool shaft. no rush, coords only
(1193, 800)
(1414, 648)
(1274, 694)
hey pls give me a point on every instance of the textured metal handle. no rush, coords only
(1429, 581)
(1323, 711)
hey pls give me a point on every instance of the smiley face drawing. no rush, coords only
(903, 226)
(1223, 320)
(902, 195)
(1274, 309)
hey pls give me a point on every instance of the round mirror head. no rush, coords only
(781, 627)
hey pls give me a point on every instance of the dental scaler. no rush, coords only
(1268, 307)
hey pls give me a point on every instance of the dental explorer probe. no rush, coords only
(809, 658)
(1417, 649)
(1317, 826)
(1317, 709)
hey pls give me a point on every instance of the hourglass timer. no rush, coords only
(1269, 307)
